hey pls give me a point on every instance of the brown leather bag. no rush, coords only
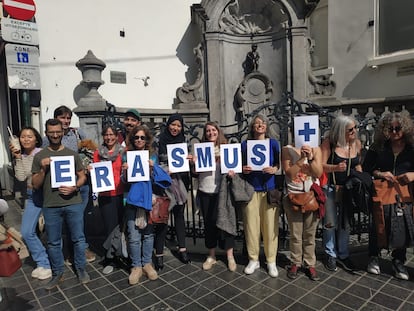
(385, 192)
(304, 201)
(160, 213)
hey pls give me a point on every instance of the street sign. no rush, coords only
(14, 30)
(20, 9)
(22, 63)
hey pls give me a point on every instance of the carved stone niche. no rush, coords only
(256, 89)
(191, 95)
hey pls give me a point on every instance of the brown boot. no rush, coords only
(150, 272)
(136, 273)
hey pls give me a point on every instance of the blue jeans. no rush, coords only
(54, 218)
(335, 226)
(28, 230)
(140, 241)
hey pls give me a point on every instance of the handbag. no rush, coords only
(274, 197)
(385, 192)
(10, 262)
(160, 213)
(391, 216)
(304, 201)
(241, 189)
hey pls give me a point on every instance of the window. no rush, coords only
(395, 26)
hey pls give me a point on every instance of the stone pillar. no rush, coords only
(91, 107)
(300, 58)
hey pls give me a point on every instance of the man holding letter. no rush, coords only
(62, 203)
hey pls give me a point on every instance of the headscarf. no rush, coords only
(166, 138)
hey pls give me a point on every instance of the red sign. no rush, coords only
(20, 9)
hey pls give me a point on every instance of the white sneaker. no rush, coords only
(252, 266)
(41, 273)
(272, 270)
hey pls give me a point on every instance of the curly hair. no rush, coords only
(220, 139)
(338, 131)
(106, 127)
(149, 141)
(381, 135)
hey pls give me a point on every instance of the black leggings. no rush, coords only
(160, 231)
(213, 235)
(179, 223)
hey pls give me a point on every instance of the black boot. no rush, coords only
(159, 263)
(184, 257)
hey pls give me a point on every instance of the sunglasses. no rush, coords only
(140, 138)
(396, 129)
(352, 129)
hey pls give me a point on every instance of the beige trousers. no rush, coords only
(302, 228)
(261, 218)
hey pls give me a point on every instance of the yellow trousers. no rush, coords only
(261, 218)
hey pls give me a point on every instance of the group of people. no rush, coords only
(389, 161)
(125, 210)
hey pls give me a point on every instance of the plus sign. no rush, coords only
(307, 131)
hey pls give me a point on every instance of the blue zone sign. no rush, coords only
(22, 66)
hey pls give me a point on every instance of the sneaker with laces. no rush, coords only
(311, 273)
(208, 264)
(150, 272)
(400, 271)
(330, 263)
(83, 276)
(346, 264)
(90, 256)
(272, 270)
(373, 266)
(231, 263)
(135, 275)
(292, 271)
(42, 273)
(252, 266)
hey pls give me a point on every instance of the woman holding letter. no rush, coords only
(259, 216)
(139, 203)
(302, 167)
(111, 202)
(173, 134)
(208, 195)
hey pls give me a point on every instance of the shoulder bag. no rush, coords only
(159, 213)
(304, 201)
(10, 261)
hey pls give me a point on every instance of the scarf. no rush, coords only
(106, 156)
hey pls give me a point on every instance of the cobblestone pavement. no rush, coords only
(188, 287)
